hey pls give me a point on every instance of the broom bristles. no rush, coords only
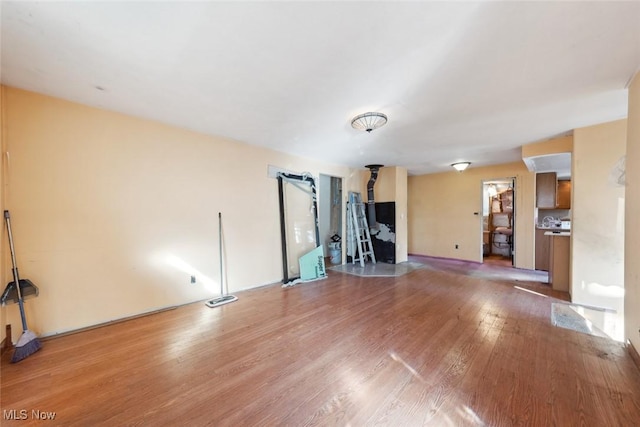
(26, 346)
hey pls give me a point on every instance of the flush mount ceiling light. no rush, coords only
(460, 166)
(369, 121)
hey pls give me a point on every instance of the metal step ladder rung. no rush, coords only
(360, 230)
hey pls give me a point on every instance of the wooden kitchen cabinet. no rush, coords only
(564, 195)
(559, 262)
(546, 186)
(542, 250)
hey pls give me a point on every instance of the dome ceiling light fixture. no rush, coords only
(369, 121)
(460, 166)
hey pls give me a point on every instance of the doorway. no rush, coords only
(498, 219)
(330, 218)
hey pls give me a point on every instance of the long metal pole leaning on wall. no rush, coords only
(296, 180)
(283, 233)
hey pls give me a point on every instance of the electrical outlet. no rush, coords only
(193, 279)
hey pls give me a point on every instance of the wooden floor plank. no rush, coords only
(435, 346)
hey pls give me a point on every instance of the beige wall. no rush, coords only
(632, 219)
(3, 256)
(597, 229)
(401, 215)
(552, 146)
(442, 207)
(113, 214)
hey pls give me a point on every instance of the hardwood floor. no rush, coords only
(431, 347)
(503, 261)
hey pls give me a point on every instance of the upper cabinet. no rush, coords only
(551, 193)
(546, 184)
(564, 195)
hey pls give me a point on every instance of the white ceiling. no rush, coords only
(458, 81)
(560, 163)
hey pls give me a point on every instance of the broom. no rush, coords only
(223, 298)
(28, 342)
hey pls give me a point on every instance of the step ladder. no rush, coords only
(359, 230)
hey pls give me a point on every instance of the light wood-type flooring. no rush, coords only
(433, 347)
(500, 260)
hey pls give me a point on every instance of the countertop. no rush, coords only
(565, 233)
(542, 227)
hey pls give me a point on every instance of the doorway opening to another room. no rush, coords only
(498, 213)
(330, 218)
